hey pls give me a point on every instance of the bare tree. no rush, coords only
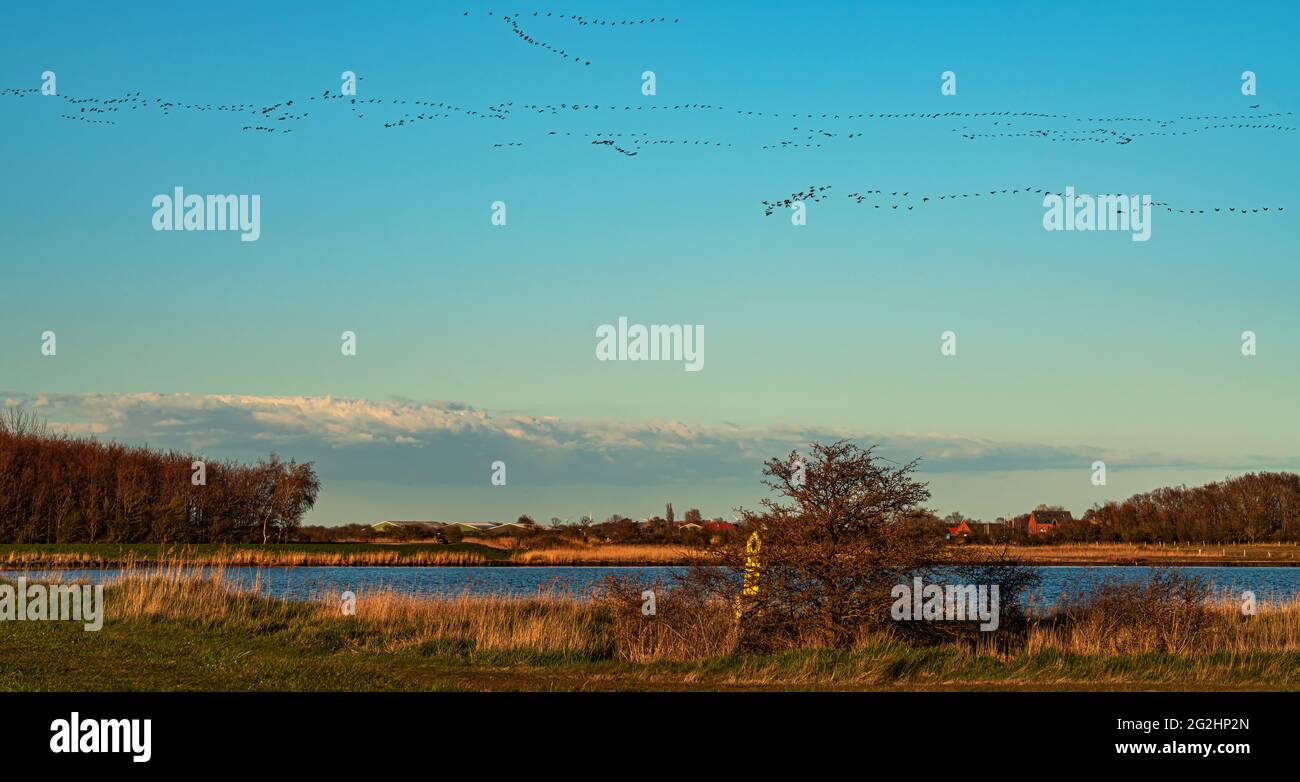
(841, 534)
(55, 488)
(20, 421)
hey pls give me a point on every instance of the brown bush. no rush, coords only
(685, 625)
(844, 530)
(1169, 612)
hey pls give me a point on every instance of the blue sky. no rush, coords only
(1071, 346)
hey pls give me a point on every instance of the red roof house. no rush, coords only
(1047, 520)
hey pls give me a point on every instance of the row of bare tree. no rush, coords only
(60, 489)
(1251, 508)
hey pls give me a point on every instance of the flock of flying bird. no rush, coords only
(817, 138)
(818, 193)
(813, 193)
(278, 118)
(1108, 136)
(634, 141)
(92, 109)
(563, 54)
(281, 118)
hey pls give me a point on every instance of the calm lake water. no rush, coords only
(307, 582)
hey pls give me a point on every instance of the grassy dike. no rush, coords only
(193, 634)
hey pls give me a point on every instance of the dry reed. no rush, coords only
(683, 627)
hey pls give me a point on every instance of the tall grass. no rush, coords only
(612, 554)
(549, 623)
(1130, 618)
(341, 555)
(236, 556)
(1139, 618)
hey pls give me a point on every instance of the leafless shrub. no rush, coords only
(684, 625)
(844, 530)
(1169, 612)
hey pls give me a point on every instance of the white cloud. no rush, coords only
(448, 442)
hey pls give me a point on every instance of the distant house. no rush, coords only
(1047, 520)
(689, 525)
(719, 526)
(959, 531)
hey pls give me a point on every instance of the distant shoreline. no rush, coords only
(80, 556)
(1155, 554)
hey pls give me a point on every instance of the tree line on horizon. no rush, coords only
(60, 489)
(1262, 507)
(1252, 508)
(526, 532)
(55, 488)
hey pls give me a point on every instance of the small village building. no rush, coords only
(1047, 520)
